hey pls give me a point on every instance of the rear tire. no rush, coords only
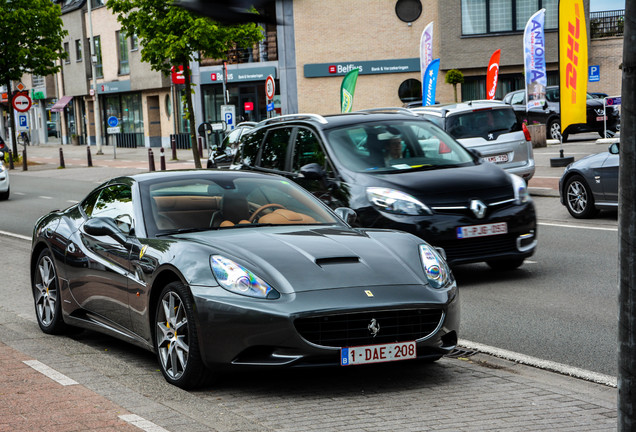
(176, 339)
(578, 198)
(505, 264)
(608, 133)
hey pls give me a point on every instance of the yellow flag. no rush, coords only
(572, 62)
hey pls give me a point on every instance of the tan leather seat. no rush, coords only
(284, 216)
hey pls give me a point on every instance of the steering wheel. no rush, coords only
(263, 207)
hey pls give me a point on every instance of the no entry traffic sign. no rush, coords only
(21, 102)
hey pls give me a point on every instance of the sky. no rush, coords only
(603, 5)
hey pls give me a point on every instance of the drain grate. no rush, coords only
(461, 352)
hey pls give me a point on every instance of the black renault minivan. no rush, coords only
(399, 171)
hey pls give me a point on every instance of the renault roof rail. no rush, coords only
(388, 110)
(300, 116)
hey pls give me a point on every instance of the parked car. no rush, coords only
(51, 128)
(5, 186)
(549, 115)
(591, 184)
(489, 127)
(222, 156)
(399, 171)
(597, 95)
(214, 269)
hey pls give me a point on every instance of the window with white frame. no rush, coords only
(505, 16)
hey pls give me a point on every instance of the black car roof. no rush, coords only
(338, 120)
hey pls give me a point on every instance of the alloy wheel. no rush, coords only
(172, 335)
(46, 291)
(577, 197)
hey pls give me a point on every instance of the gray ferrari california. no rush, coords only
(226, 269)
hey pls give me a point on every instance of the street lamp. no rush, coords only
(96, 110)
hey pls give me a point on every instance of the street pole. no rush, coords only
(627, 230)
(96, 110)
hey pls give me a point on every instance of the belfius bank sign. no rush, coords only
(371, 67)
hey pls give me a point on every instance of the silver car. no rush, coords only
(4, 182)
(489, 127)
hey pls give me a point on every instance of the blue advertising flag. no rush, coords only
(534, 60)
(430, 83)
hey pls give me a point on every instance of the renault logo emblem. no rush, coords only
(478, 208)
(374, 328)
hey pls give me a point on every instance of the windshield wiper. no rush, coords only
(180, 231)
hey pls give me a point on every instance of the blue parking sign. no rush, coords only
(22, 119)
(595, 73)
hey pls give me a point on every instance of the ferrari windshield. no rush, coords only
(228, 200)
(396, 146)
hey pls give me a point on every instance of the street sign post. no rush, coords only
(21, 102)
(228, 114)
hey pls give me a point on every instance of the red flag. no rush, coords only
(493, 74)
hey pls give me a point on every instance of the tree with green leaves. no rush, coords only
(31, 35)
(171, 36)
(454, 77)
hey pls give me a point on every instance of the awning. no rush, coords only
(61, 103)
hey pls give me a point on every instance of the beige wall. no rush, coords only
(358, 30)
(608, 54)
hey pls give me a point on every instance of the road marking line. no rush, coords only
(541, 364)
(18, 193)
(577, 226)
(72, 201)
(51, 373)
(21, 237)
(45, 197)
(141, 423)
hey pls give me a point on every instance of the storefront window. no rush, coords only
(127, 108)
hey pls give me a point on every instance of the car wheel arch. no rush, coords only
(164, 277)
(35, 253)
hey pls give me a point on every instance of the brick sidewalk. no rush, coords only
(31, 401)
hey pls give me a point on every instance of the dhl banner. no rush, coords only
(572, 62)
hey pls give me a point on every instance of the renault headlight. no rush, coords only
(393, 201)
(435, 267)
(237, 279)
(520, 189)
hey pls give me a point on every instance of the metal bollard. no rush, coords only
(200, 147)
(88, 156)
(11, 166)
(25, 166)
(173, 146)
(151, 160)
(62, 159)
(162, 160)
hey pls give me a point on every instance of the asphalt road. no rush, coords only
(560, 306)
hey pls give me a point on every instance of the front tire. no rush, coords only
(505, 264)
(176, 340)
(5, 195)
(578, 198)
(46, 295)
(554, 131)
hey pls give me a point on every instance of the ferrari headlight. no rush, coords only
(393, 201)
(435, 267)
(237, 279)
(520, 189)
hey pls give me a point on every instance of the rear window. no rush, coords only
(480, 123)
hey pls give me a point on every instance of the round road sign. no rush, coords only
(113, 121)
(270, 87)
(21, 102)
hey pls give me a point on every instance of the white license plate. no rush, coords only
(502, 158)
(482, 230)
(377, 353)
(601, 118)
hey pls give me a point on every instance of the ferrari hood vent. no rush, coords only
(337, 260)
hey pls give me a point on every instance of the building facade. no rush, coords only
(312, 46)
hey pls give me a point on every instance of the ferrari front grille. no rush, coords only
(355, 329)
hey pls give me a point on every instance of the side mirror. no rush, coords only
(313, 171)
(614, 148)
(545, 105)
(346, 214)
(105, 226)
